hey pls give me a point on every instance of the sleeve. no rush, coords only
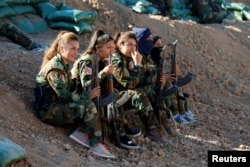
(86, 73)
(148, 71)
(127, 78)
(58, 81)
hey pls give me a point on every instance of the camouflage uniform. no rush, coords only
(84, 71)
(15, 35)
(127, 77)
(209, 11)
(67, 107)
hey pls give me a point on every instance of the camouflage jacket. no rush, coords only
(85, 70)
(149, 70)
(126, 74)
(56, 75)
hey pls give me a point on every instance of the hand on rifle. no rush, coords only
(170, 77)
(108, 69)
(95, 92)
(137, 57)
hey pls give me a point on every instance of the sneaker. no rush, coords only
(156, 135)
(167, 125)
(80, 137)
(190, 113)
(189, 118)
(178, 118)
(131, 132)
(126, 142)
(101, 150)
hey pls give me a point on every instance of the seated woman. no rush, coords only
(127, 70)
(92, 67)
(57, 105)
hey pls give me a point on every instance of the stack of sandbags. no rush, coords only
(61, 16)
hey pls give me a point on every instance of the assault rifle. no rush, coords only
(159, 91)
(188, 77)
(112, 112)
(182, 81)
(111, 96)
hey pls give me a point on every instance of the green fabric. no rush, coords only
(233, 6)
(78, 28)
(7, 12)
(2, 3)
(62, 6)
(239, 11)
(22, 2)
(24, 9)
(44, 9)
(144, 3)
(24, 24)
(73, 16)
(246, 13)
(39, 24)
(139, 9)
(152, 10)
(10, 152)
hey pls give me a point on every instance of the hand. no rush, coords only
(170, 77)
(95, 92)
(137, 57)
(108, 69)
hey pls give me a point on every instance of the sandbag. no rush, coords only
(39, 24)
(73, 16)
(233, 6)
(24, 2)
(131, 2)
(2, 3)
(24, 9)
(24, 24)
(77, 28)
(10, 152)
(62, 6)
(7, 12)
(139, 9)
(246, 13)
(44, 9)
(152, 10)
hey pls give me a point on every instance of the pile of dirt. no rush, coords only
(217, 55)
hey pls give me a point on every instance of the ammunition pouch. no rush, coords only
(43, 97)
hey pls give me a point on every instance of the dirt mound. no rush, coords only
(217, 55)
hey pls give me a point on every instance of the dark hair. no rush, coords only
(98, 39)
(155, 38)
(120, 37)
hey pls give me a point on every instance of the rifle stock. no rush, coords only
(173, 59)
(112, 113)
(159, 85)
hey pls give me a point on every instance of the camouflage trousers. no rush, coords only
(16, 36)
(150, 92)
(171, 102)
(81, 113)
(177, 105)
(141, 103)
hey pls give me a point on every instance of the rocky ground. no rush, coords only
(217, 55)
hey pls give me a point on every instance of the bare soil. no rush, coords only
(217, 55)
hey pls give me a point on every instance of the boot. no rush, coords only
(167, 125)
(156, 135)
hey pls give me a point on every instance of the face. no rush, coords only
(128, 47)
(158, 43)
(69, 51)
(106, 50)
